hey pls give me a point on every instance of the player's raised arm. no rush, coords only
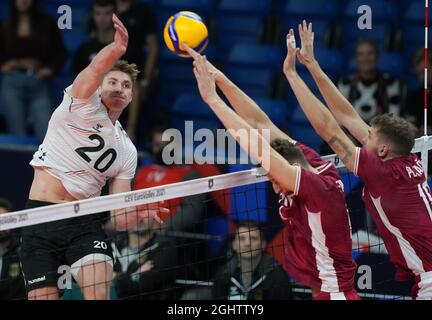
(88, 80)
(341, 108)
(319, 116)
(254, 143)
(242, 103)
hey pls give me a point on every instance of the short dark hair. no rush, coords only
(251, 224)
(130, 68)
(6, 204)
(400, 133)
(289, 151)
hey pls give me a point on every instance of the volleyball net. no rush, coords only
(195, 254)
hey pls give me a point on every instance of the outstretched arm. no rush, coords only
(242, 103)
(88, 80)
(249, 139)
(319, 116)
(341, 108)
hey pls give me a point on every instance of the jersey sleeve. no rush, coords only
(371, 169)
(129, 168)
(85, 107)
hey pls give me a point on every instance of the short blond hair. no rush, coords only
(129, 68)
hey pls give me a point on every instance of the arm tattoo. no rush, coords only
(340, 148)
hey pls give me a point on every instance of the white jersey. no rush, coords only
(83, 148)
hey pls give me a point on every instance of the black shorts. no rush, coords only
(49, 249)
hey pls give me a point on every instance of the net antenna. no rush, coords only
(424, 153)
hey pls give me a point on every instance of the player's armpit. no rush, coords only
(344, 148)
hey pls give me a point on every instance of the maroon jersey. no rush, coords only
(399, 200)
(317, 231)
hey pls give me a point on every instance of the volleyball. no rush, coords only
(187, 27)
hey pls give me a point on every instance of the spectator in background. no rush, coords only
(11, 279)
(102, 33)
(370, 91)
(31, 52)
(415, 101)
(251, 274)
(146, 264)
(142, 50)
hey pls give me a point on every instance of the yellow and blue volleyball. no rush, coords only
(187, 27)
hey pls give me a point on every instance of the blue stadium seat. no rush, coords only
(231, 30)
(277, 6)
(239, 21)
(331, 61)
(50, 7)
(18, 140)
(244, 7)
(253, 67)
(175, 76)
(167, 8)
(308, 79)
(392, 63)
(72, 39)
(255, 82)
(80, 17)
(382, 10)
(415, 12)
(298, 116)
(191, 107)
(276, 110)
(306, 134)
(413, 23)
(255, 55)
(320, 10)
(248, 202)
